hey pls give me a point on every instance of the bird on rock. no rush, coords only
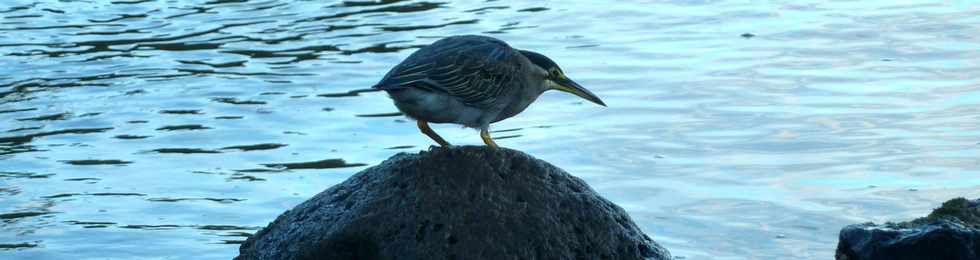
(473, 81)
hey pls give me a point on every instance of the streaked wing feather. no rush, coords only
(474, 69)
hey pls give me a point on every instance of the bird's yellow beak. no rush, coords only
(567, 85)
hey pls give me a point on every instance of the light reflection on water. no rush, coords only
(187, 126)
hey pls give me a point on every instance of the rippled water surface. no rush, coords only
(735, 129)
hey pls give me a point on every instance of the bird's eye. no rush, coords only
(555, 72)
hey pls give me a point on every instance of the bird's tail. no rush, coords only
(392, 87)
(381, 86)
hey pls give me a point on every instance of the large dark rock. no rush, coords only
(455, 203)
(950, 232)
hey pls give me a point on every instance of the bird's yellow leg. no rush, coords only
(424, 126)
(486, 138)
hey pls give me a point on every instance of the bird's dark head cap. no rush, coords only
(541, 61)
(556, 78)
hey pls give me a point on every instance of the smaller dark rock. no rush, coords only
(747, 35)
(951, 232)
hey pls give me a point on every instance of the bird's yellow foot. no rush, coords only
(424, 126)
(486, 138)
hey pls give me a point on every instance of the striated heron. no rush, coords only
(473, 81)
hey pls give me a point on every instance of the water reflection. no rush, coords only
(200, 121)
(96, 162)
(254, 147)
(183, 150)
(321, 164)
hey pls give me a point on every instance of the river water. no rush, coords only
(158, 129)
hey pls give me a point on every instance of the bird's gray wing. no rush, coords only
(475, 70)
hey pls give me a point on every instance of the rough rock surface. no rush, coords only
(455, 203)
(950, 232)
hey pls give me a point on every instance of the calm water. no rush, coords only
(735, 129)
